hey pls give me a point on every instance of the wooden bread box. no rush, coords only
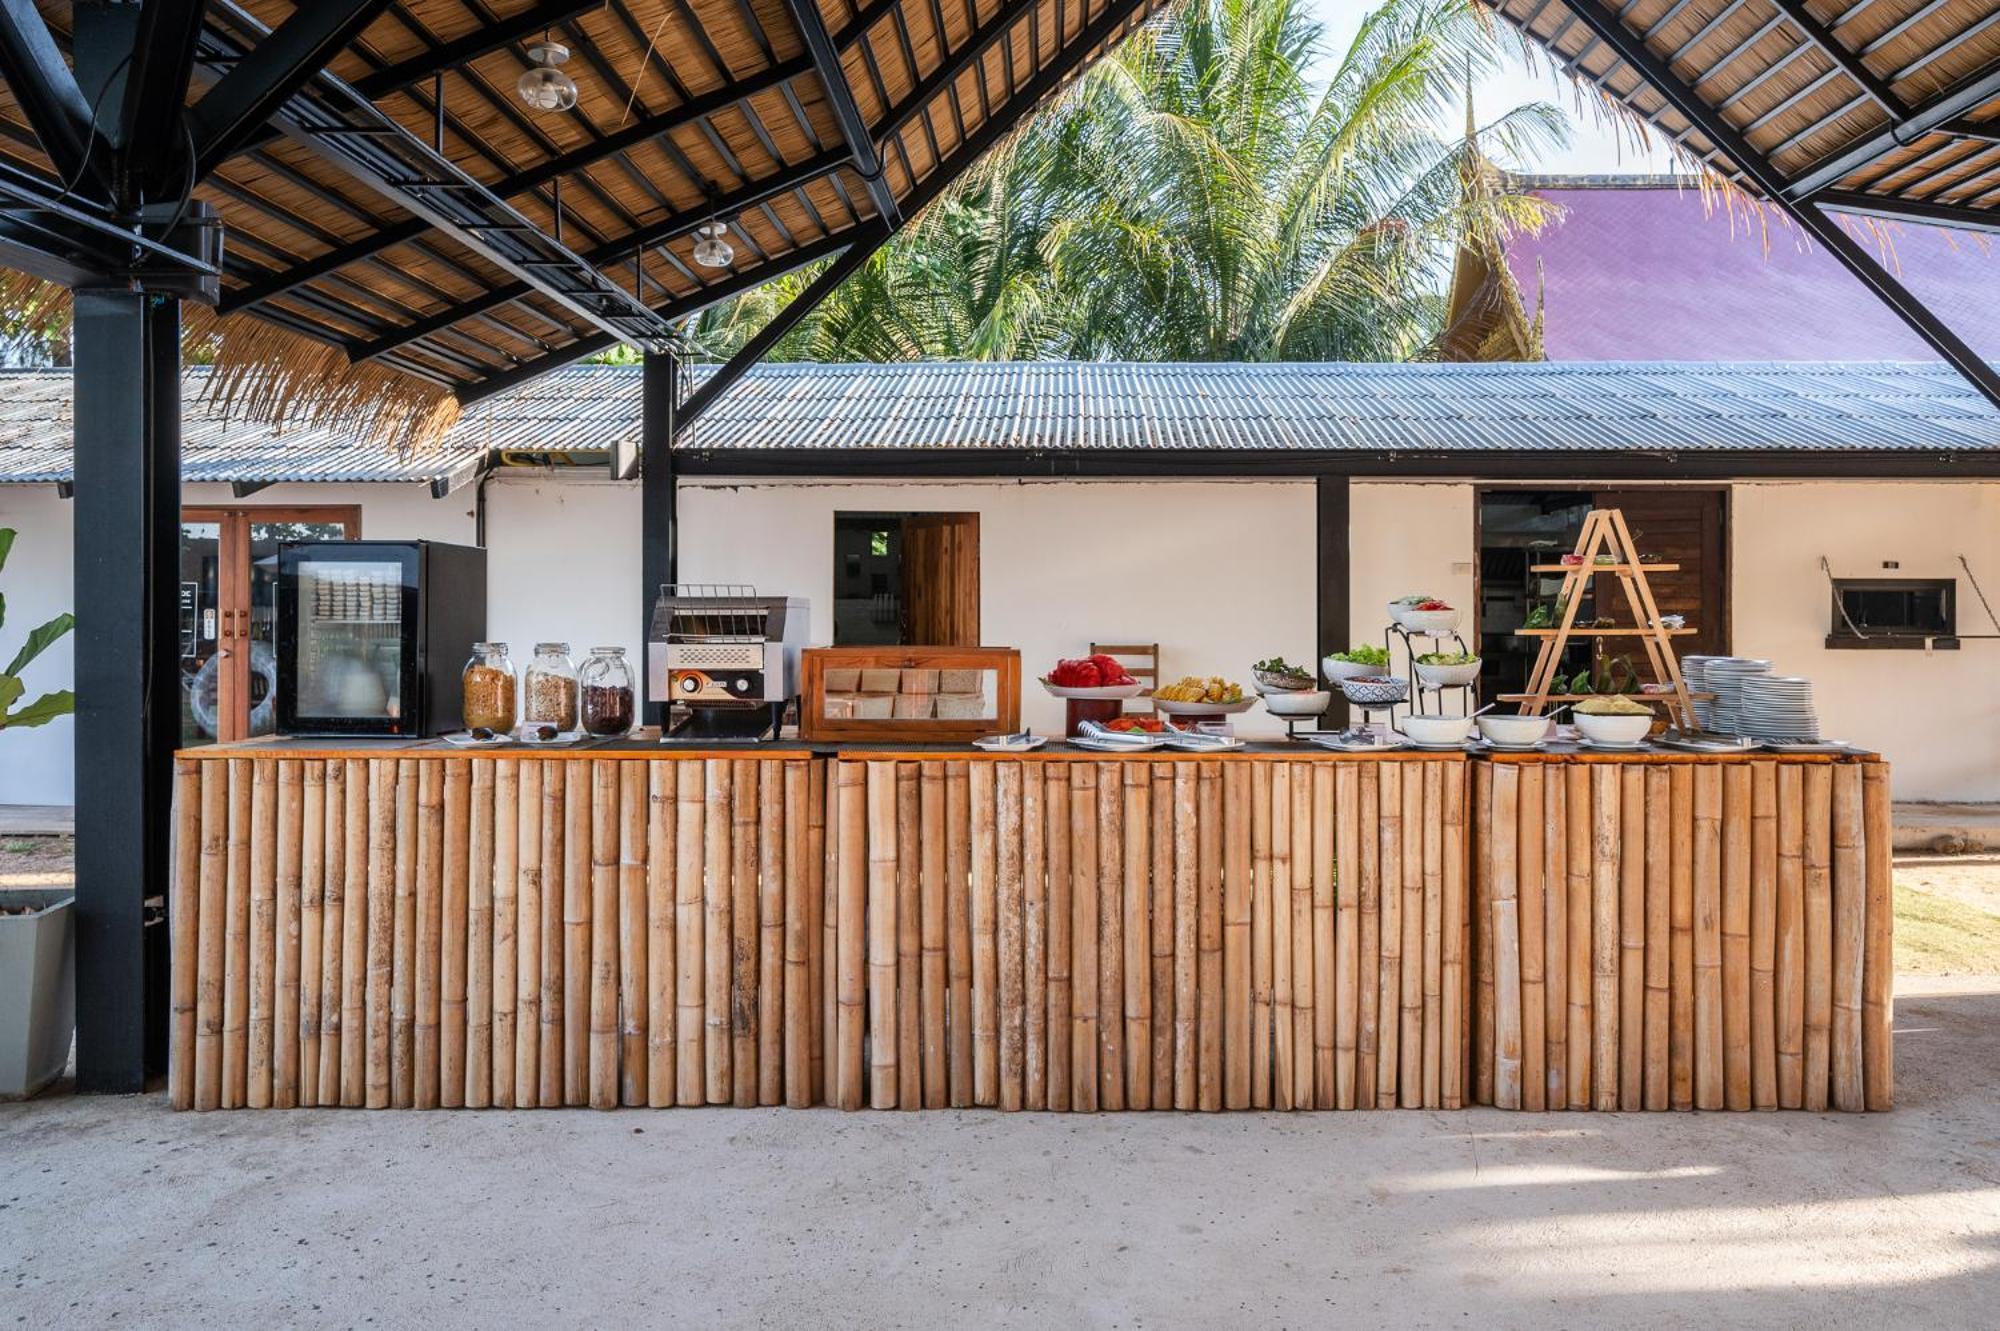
(909, 695)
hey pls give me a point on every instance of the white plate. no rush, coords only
(1510, 747)
(1103, 693)
(1173, 707)
(997, 744)
(1209, 744)
(1606, 746)
(524, 735)
(1823, 746)
(1345, 746)
(1146, 745)
(462, 739)
(1433, 746)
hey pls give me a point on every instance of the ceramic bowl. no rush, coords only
(1269, 682)
(1447, 676)
(1429, 621)
(1338, 670)
(1375, 690)
(1436, 729)
(1614, 729)
(1513, 731)
(1297, 702)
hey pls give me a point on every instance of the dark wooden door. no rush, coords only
(941, 579)
(1685, 527)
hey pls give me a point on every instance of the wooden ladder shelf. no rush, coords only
(1604, 532)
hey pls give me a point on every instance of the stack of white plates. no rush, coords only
(1724, 676)
(1778, 707)
(1691, 675)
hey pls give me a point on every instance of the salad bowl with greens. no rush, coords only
(1356, 662)
(1447, 670)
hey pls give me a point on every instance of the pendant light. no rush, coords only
(543, 85)
(711, 246)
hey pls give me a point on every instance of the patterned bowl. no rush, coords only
(1375, 690)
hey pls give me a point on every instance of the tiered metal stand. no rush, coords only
(1395, 632)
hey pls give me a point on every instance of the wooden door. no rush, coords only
(941, 579)
(1685, 527)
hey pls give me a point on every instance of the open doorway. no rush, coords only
(906, 579)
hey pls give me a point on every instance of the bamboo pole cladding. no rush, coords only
(1060, 932)
(1711, 934)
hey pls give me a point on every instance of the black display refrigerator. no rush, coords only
(373, 635)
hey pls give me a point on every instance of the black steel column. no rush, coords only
(127, 514)
(658, 521)
(1332, 566)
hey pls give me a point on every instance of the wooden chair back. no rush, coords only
(1141, 659)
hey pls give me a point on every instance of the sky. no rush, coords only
(1594, 148)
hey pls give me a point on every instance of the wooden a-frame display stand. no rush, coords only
(1604, 532)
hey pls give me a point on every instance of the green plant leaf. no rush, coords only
(6, 544)
(41, 711)
(10, 689)
(39, 640)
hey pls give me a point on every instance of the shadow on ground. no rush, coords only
(120, 1207)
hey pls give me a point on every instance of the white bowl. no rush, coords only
(1447, 676)
(1513, 731)
(1337, 670)
(1428, 622)
(1297, 702)
(1436, 729)
(1176, 707)
(1613, 729)
(1103, 692)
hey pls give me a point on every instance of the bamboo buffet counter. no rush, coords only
(409, 924)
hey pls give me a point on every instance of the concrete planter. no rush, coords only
(37, 990)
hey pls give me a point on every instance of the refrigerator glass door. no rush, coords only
(354, 647)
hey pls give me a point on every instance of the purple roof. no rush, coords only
(1646, 272)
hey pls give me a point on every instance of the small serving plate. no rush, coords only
(1803, 746)
(464, 739)
(1341, 744)
(525, 735)
(1203, 743)
(1175, 707)
(1146, 745)
(1009, 743)
(1102, 693)
(1607, 746)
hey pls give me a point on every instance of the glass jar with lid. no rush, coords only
(548, 688)
(608, 692)
(487, 688)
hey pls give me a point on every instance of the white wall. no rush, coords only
(562, 564)
(1219, 573)
(1935, 716)
(37, 766)
(1406, 537)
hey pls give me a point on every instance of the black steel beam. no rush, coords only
(846, 112)
(44, 89)
(1828, 233)
(230, 113)
(482, 40)
(1923, 119)
(127, 691)
(658, 506)
(1333, 514)
(719, 382)
(1890, 208)
(149, 123)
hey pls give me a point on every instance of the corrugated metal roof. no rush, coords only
(1073, 406)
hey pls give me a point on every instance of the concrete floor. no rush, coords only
(120, 1209)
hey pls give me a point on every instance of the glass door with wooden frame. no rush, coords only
(229, 612)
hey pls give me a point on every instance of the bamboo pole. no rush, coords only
(263, 932)
(506, 942)
(1579, 935)
(1818, 936)
(285, 967)
(718, 941)
(1850, 893)
(1056, 806)
(579, 894)
(1736, 819)
(1708, 941)
(1164, 1017)
(1010, 974)
(850, 932)
(985, 902)
(932, 889)
(1208, 935)
(1187, 1030)
(607, 923)
(822, 914)
(1305, 890)
(1270, 880)
(1313, 816)
(383, 779)
(1236, 896)
(1530, 903)
(236, 941)
(1389, 1003)
(1789, 966)
(427, 1046)
(1554, 841)
(909, 939)
(635, 930)
(1658, 966)
(1368, 969)
(554, 915)
(409, 844)
(1680, 939)
(211, 916)
(799, 999)
(1481, 910)
(355, 934)
(1083, 865)
(1034, 938)
(314, 852)
(1763, 935)
(883, 852)
(528, 937)
(475, 1019)
(1878, 1059)
(333, 883)
(1606, 808)
(1347, 929)
(958, 930)
(1432, 1069)
(771, 929)
(455, 928)
(1456, 1040)
(1135, 933)
(690, 932)
(1110, 936)
(1410, 1040)
(1632, 937)
(1503, 833)
(744, 936)
(184, 921)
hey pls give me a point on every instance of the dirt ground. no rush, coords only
(36, 861)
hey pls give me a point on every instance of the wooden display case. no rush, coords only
(909, 694)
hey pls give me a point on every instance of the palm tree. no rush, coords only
(1198, 196)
